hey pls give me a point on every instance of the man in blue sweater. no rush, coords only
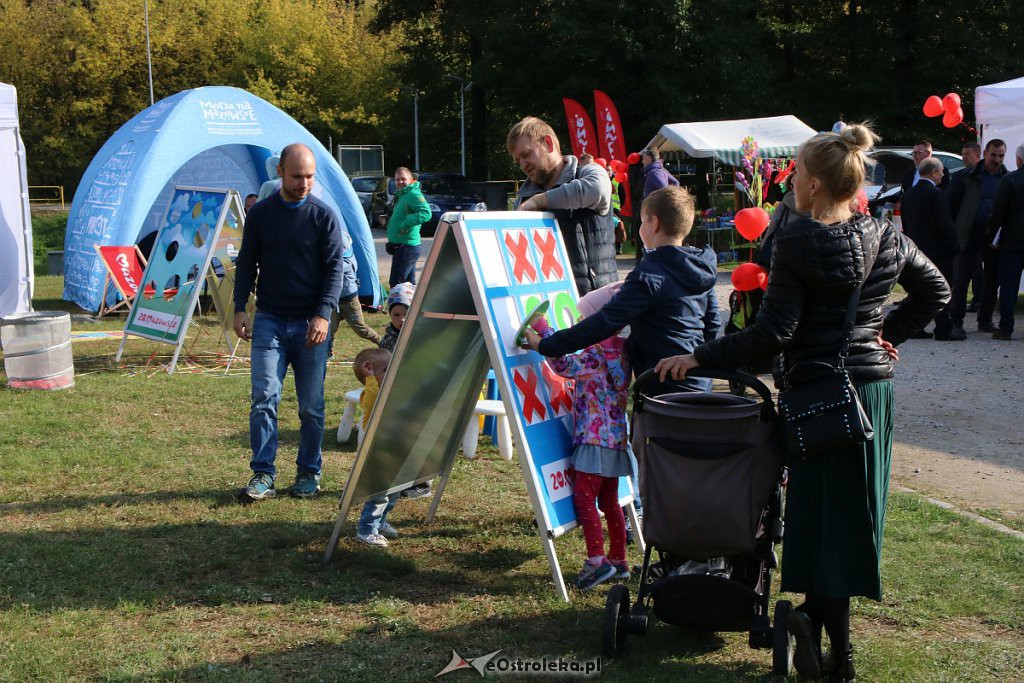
(292, 241)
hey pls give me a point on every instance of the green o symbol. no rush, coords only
(564, 313)
(531, 303)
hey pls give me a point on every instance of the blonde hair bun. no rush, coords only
(858, 137)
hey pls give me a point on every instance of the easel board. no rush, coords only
(483, 275)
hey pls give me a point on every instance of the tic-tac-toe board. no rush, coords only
(514, 261)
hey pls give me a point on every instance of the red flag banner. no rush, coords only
(609, 129)
(581, 131)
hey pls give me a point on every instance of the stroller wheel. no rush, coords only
(616, 614)
(782, 642)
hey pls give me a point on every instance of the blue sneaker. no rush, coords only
(621, 570)
(592, 575)
(387, 531)
(260, 486)
(306, 485)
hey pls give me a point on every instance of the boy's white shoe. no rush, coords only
(375, 540)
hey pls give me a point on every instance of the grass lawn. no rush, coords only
(123, 556)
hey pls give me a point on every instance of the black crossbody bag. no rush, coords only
(825, 413)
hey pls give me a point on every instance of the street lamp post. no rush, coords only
(149, 54)
(463, 89)
(415, 122)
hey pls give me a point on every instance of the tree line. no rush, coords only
(347, 68)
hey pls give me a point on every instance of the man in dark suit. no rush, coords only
(928, 222)
(922, 150)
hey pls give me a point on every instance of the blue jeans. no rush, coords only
(277, 343)
(403, 264)
(1011, 264)
(375, 511)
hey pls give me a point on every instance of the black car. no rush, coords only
(364, 187)
(444, 192)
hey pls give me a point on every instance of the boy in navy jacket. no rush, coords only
(668, 300)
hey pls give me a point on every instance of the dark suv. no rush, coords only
(444, 192)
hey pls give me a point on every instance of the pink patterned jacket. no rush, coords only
(602, 376)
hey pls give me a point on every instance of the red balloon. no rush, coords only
(951, 102)
(634, 158)
(749, 276)
(618, 166)
(602, 162)
(933, 106)
(621, 176)
(751, 222)
(952, 119)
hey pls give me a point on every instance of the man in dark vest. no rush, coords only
(579, 196)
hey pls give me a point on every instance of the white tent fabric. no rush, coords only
(776, 136)
(16, 273)
(999, 112)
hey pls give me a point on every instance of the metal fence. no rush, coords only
(52, 195)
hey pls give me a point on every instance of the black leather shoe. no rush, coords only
(955, 334)
(839, 668)
(1002, 336)
(922, 335)
(807, 656)
(986, 327)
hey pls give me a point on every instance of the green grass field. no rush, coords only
(123, 556)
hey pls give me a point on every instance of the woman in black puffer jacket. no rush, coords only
(835, 506)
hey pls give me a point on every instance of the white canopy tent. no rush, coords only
(16, 274)
(776, 136)
(999, 112)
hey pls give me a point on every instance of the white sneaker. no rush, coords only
(375, 540)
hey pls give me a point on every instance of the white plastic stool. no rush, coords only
(348, 418)
(494, 409)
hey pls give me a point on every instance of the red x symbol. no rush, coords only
(559, 388)
(550, 266)
(521, 264)
(528, 389)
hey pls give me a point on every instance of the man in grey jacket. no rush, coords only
(579, 196)
(971, 195)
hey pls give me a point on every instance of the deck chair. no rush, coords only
(125, 267)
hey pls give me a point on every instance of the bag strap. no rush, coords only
(851, 318)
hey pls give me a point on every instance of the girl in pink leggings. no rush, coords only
(602, 376)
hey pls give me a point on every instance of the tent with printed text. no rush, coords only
(999, 112)
(16, 271)
(214, 137)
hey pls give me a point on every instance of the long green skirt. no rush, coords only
(835, 511)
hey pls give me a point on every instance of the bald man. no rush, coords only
(292, 241)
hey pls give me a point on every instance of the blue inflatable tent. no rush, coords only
(214, 137)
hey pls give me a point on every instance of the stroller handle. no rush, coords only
(649, 377)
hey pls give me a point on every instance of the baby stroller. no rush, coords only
(711, 476)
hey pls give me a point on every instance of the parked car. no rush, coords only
(444, 192)
(381, 202)
(364, 187)
(884, 179)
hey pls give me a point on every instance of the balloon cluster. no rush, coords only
(620, 169)
(749, 148)
(948, 108)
